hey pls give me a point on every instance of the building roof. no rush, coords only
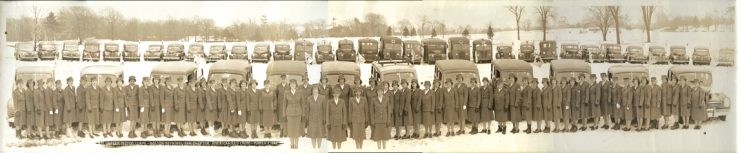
(287, 68)
(175, 68)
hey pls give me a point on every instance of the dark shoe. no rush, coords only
(537, 131)
(685, 127)
(81, 134)
(267, 135)
(254, 134)
(547, 130)
(675, 126)
(119, 134)
(144, 134)
(697, 127)
(474, 131)
(605, 127)
(664, 127)
(192, 133)
(157, 134)
(583, 128)
(168, 135)
(131, 134)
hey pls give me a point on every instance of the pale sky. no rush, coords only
(454, 13)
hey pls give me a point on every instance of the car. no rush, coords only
(230, 69)
(658, 55)
(617, 73)
(71, 50)
(571, 51)
(239, 51)
(293, 70)
(346, 51)
(412, 51)
(482, 50)
(24, 51)
(261, 53)
(282, 52)
(131, 51)
(102, 72)
(91, 52)
(701, 56)
(47, 50)
(303, 50)
(569, 68)
(195, 50)
(175, 52)
(216, 52)
(504, 52)
(324, 53)
(154, 52)
(726, 57)
(434, 49)
(459, 48)
(368, 48)
(188, 71)
(450, 69)
(678, 55)
(503, 68)
(548, 51)
(526, 53)
(597, 54)
(334, 70)
(635, 54)
(613, 53)
(391, 48)
(111, 52)
(26, 73)
(393, 70)
(718, 105)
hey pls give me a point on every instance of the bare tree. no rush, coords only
(37, 13)
(616, 15)
(544, 12)
(517, 12)
(599, 16)
(423, 21)
(647, 18)
(113, 19)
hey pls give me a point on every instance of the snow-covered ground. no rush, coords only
(714, 137)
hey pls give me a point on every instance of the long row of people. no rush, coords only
(392, 110)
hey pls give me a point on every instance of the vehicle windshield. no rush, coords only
(48, 47)
(546, 45)
(334, 78)
(614, 48)
(70, 47)
(727, 52)
(466, 76)
(239, 49)
(461, 46)
(678, 51)
(390, 77)
(111, 47)
(706, 77)
(33, 76)
(131, 48)
(388, 46)
(260, 49)
(517, 74)
(324, 48)
(346, 47)
(229, 76)
(282, 48)
(701, 51)
(527, 47)
(217, 48)
(174, 49)
(504, 49)
(303, 48)
(634, 50)
(629, 75)
(657, 50)
(482, 46)
(435, 46)
(92, 47)
(570, 47)
(155, 48)
(196, 48)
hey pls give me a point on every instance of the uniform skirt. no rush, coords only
(168, 115)
(417, 118)
(537, 116)
(49, 119)
(595, 110)
(397, 119)
(628, 114)
(408, 119)
(107, 117)
(93, 117)
(40, 117)
(575, 113)
(133, 113)
(428, 118)
(450, 116)
(200, 115)
(20, 119)
(30, 118)
(255, 117)
(336, 133)
(81, 116)
(557, 114)
(69, 116)
(685, 111)
(315, 129)
(526, 114)
(59, 118)
(617, 113)
(358, 131)
(192, 115)
(381, 132)
(501, 116)
(647, 112)
(698, 114)
(566, 112)
(665, 110)
(155, 114)
(439, 117)
(473, 116)
(639, 112)
(267, 117)
(547, 114)
(655, 112)
(180, 116)
(224, 116)
(606, 109)
(118, 117)
(294, 126)
(144, 116)
(515, 115)
(237, 119)
(486, 114)
(212, 115)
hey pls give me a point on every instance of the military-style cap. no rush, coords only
(427, 82)
(131, 78)
(70, 79)
(108, 79)
(459, 76)
(653, 78)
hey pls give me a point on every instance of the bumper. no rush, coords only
(215, 57)
(172, 57)
(717, 112)
(91, 56)
(680, 61)
(152, 57)
(548, 57)
(483, 57)
(725, 62)
(112, 57)
(191, 57)
(528, 57)
(616, 59)
(131, 56)
(659, 59)
(638, 59)
(71, 55)
(320, 58)
(504, 56)
(432, 58)
(240, 56)
(27, 56)
(261, 58)
(351, 57)
(462, 56)
(283, 57)
(390, 56)
(48, 55)
(702, 61)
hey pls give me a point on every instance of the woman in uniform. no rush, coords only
(358, 114)
(527, 103)
(415, 107)
(655, 102)
(537, 103)
(427, 108)
(107, 102)
(233, 121)
(168, 106)
(557, 104)
(39, 108)
(19, 101)
(254, 98)
(192, 109)
(180, 104)
(514, 101)
(381, 113)
(639, 102)
(144, 97)
(546, 100)
(132, 106)
(294, 112)
(81, 106)
(698, 103)
(57, 104)
(486, 106)
(501, 107)
(242, 97)
(336, 117)
(266, 107)
(315, 111)
(684, 102)
(568, 85)
(212, 104)
(156, 109)
(473, 105)
(616, 102)
(450, 107)
(119, 104)
(438, 107)
(628, 101)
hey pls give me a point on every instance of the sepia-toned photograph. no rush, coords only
(368, 76)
